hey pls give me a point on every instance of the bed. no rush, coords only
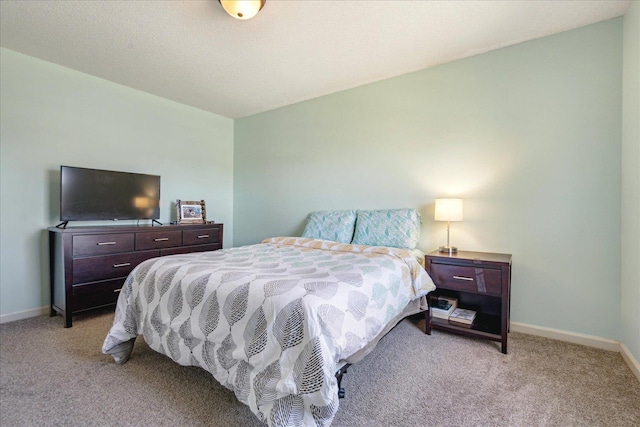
(274, 321)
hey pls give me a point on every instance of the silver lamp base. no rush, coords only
(448, 250)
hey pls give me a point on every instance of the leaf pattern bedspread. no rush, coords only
(269, 321)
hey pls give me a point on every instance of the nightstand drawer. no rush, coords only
(468, 279)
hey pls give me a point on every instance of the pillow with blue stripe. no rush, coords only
(336, 226)
(398, 228)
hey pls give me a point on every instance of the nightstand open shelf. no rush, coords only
(481, 282)
(485, 326)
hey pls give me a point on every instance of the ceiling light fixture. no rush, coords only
(242, 9)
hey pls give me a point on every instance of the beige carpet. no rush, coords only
(57, 377)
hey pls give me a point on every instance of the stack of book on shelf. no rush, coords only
(442, 307)
(462, 317)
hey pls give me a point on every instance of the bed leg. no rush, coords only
(122, 352)
(339, 375)
(427, 321)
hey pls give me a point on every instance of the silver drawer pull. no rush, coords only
(204, 236)
(124, 264)
(106, 243)
(117, 290)
(470, 279)
(161, 239)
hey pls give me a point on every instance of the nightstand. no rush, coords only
(480, 281)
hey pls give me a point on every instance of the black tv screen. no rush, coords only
(93, 194)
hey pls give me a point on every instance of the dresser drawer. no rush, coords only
(190, 249)
(92, 269)
(469, 279)
(96, 294)
(200, 237)
(101, 244)
(158, 239)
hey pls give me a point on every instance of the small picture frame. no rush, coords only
(191, 212)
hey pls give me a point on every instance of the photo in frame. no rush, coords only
(191, 211)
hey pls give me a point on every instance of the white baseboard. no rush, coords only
(582, 339)
(631, 361)
(11, 317)
(572, 337)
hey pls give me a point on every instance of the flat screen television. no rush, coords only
(94, 195)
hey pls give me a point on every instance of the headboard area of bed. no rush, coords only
(397, 228)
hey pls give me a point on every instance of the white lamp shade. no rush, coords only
(242, 9)
(448, 210)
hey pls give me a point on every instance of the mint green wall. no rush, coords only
(529, 136)
(631, 182)
(53, 115)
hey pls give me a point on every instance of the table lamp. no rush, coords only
(448, 210)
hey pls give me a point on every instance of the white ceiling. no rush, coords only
(192, 52)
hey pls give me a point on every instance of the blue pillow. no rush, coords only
(336, 226)
(398, 228)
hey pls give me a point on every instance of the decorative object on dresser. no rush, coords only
(191, 212)
(448, 210)
(88, 265)
(481, 282)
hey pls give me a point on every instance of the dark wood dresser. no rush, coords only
(88, 265)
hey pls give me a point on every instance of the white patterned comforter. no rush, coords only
(269, 321)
